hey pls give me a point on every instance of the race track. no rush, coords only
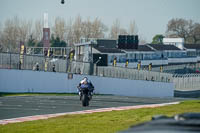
(20, 106)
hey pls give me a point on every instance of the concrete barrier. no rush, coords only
(19, 81)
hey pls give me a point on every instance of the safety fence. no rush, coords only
(13, 61)
(187, 81)
(182, 82)
(134, 74)
(180, 68)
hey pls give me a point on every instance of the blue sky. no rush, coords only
(151, 16)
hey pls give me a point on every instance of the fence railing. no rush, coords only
(187, 81)
(172, 68)
(181, 82)
(133, 74)
(12, 61)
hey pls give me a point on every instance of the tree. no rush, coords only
(195, 33)
(132, 30)
(31, 41)
(77, 29)
(38, 30)
(186, 29)
(116, 30)
(25, 30)
(70, 37)
(177, 28)
(56, 42)
(59, 28)
(142, 39)
(15, 31)
(87, 29)
(98, 29)
(158, 39)
(10, 35)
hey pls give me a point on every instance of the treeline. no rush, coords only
(179, 27)
(67, 32)
(63, 32)
(187, 29)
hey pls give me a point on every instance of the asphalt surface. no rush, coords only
(20, 106)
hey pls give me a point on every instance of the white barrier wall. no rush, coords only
(16, 81)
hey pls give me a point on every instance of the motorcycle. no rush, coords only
(85, 96)
(85, 92)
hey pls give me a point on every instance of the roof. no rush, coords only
(83, 44)
(109, 50)
(162, 47)
(106, 43)
(192, 46)
(145, 48)
(173, 40)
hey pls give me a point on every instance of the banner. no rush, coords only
(22, 51)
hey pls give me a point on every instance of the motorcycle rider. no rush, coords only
(85, 83)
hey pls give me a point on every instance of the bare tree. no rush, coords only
(25, 30)
(123, 31)
(142, 39)
(87, 29)
(115, 29)
(98, 29)
(132, 30)
(177, 27)
(195, 33)
(10, 35)
(38, 30)
(93, 29)
(77, 29)
(15, 30)
(60, 29)
(186, 29)
(70, 38)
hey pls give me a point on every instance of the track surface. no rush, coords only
(20, 106)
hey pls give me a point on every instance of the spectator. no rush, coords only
(54, 68)
(36, 67)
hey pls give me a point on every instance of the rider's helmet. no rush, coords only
(85, 80)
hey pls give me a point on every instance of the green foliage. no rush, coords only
(39, 44)
(56, 42)
(31, 42)
(106, 122)
(158, 39)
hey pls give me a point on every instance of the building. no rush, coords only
(178, 42)
(155, 54)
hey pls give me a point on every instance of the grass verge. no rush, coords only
(106, 122)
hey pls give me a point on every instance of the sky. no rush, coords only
(150, 16)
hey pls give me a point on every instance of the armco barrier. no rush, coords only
(18, 81)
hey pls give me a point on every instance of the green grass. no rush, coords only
(106, 122)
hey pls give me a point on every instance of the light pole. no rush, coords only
(96, 65)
